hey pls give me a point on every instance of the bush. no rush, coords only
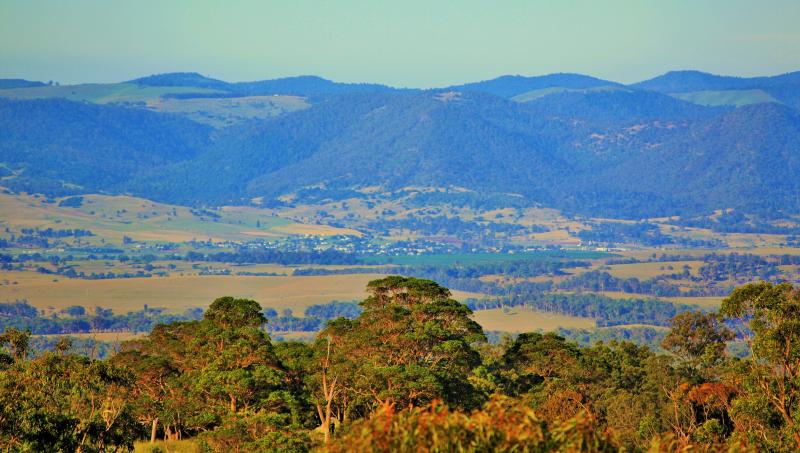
(502, 425)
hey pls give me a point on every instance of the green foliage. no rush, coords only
(230, 313)
(65, 403)
(699, 338)
(772, 374)
(412, 372)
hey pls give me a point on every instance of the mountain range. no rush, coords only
(684, 143)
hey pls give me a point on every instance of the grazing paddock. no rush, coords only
(519, 319)
(649, 270)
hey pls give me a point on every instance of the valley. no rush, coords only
(560, 203)
(520, 269)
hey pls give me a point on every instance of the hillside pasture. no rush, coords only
(112, 217)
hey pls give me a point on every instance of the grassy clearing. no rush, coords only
(523, 320)
(650, 270)
(220, 112)
(726, 97)
(704, 302)
(172, 446)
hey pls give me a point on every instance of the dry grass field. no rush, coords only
(705, 302)
(519, 319)
(649, 270)
(177, 293)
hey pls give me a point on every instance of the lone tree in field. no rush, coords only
(410, 345)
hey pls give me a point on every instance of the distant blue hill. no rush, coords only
(684, 81)
(19, 83)
(298, 86)
(621, 151)
(784, 88)
(509, 86)
(181, 79)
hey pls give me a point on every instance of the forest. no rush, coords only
(410, 370)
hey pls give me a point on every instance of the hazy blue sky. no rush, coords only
(402, 42)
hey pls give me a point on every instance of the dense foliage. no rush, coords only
(412, 372)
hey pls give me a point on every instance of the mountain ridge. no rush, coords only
(624, 152)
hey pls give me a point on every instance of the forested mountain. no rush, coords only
(300, 86)
(784, 88)
(95, 147)
(514, 85)
(18, 83)
(683, 81)
(588, 146)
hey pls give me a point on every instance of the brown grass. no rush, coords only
(649, 270)
(172, 446)
(524, 320)
(176, 293)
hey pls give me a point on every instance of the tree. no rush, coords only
(154, 381)
(771, 315)
(196, 375)
(410, 345)
(18, 340)
(65, 403)
(697, 338)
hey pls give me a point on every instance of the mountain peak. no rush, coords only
(190, 79)
(508, 86)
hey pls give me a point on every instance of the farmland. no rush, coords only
(124, 253)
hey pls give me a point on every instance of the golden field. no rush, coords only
(519, 319)
(177, 293)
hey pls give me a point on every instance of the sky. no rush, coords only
(406, 43)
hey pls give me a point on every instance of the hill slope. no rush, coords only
(783, 88)
(514, 85)
(97, 147)
(617, 152)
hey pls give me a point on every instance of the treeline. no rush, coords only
(652, 337)
(656, 286)
(328, 256)
(449, 225)
(314, 319)
(644, 233)
(736, 266)
(57, 233)
(466, 277)
(413, 372)
(738, 222)
(605, 310)
(76, 319)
